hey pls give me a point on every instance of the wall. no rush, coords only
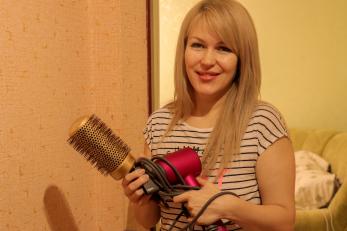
(302, 47)
(171, 14)
(60, 60)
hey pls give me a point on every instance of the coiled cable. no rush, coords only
(167, 191)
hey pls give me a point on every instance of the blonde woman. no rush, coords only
(243, 142)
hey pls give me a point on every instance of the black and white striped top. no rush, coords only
(265, 127)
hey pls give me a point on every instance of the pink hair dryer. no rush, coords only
(188, 164)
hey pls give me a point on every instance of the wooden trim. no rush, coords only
(149, 54)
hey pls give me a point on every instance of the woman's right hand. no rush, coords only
(132, 183)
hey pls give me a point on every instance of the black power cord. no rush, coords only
(167, 191)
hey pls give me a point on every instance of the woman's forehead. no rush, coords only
(201, 29)
(201, 26)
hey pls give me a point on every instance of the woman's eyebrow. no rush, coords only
(201, 40)
(197, 38)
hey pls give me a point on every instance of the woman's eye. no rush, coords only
(224, 49)
(196, 45)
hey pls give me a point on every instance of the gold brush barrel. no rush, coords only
(100, 146)
(78, 124)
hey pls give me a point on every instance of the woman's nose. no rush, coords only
(208, 58)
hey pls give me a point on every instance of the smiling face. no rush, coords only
(210, 64)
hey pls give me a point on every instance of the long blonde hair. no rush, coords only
(233, 24)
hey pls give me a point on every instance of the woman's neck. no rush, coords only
(205, 112)
(206, 105)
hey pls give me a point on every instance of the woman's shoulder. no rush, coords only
(268, 125)
(157, 121)
(163, 113)
(266, 109)
(267, 116)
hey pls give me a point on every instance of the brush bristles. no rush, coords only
(99, 145)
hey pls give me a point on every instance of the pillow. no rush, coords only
(314, 185)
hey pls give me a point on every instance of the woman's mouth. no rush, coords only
(207, 76)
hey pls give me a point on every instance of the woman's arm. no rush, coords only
(276, 178)
(147, 214)
(275, 175)
(147, 211)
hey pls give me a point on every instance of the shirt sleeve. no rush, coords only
(270, 126)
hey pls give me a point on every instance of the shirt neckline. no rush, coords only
(196, 128)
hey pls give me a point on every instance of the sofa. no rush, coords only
(331, 146)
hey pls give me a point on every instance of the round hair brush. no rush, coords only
(100, 146)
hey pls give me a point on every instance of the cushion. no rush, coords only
(314, 184)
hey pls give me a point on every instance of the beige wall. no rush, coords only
(302, 46)
(60, 60)
(171, 13)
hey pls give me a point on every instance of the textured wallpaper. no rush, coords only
(61, 60)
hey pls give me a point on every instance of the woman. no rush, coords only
(243, 142)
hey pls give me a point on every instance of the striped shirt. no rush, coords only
(265, 127)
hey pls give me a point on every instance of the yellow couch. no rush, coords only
(332, 146)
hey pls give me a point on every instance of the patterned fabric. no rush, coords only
(265, 127)
(314, 185)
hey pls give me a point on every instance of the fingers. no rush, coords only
(136, 196)
(181, 198)
(132, 176)
(136, 184)
(132, 183)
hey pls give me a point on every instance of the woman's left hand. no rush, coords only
(195, 199)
